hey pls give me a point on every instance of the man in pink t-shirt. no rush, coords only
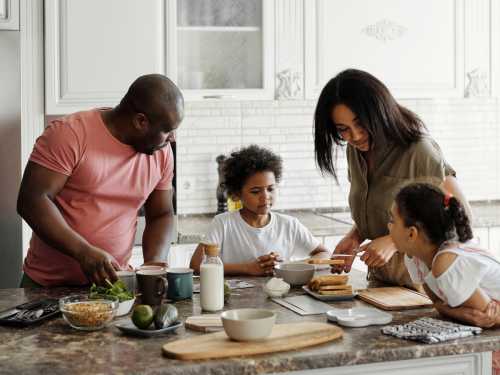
(87, 177)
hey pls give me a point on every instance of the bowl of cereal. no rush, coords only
(82, 312)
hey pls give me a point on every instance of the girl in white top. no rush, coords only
(253, 238)
(433, 230)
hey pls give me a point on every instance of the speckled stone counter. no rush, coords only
(192, 228)
(54, 347)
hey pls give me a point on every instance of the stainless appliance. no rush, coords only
(11, 247)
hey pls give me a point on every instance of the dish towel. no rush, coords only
(431, 330)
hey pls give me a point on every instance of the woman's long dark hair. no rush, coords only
(378, 113)
(421, 204)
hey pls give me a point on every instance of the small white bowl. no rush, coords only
(248, 324)
(125, 307)
(276, 293)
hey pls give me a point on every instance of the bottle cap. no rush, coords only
(211, 249)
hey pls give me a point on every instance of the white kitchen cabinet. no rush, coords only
(391, 39)
(95, 49)
(223, 49)
(462, 364)
(9, 14)
(493, 240)
(179, 255)
(481, 236)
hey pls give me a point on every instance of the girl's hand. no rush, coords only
(477, 318)
(270, 259)
(345, 246)
(378, 252)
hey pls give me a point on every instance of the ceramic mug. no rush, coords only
(128, 278)
(181, 283)
(152, 286)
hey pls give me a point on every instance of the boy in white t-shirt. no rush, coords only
(253, 238)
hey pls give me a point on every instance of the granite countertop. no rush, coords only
(54, 347)
(192, 228)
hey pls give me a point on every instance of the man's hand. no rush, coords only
(345, 246)
(97, 265)
(477, 318)
(378, 252)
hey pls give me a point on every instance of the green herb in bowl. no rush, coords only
(118, 289)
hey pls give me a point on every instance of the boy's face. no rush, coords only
(259, 193)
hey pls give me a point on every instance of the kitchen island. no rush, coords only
(56, 348)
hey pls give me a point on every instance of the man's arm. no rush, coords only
(38, 190)
(157, 235)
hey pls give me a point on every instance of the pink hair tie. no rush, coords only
(447, 200)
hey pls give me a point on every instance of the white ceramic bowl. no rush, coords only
(248, 324)
(125, 307)
(295, 274)
(276, 293)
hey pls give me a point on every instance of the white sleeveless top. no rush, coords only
(473, 267)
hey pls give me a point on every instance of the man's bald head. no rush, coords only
(154, 95)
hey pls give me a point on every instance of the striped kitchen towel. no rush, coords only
(431, 330)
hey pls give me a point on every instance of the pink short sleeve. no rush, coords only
(57, 148)
(168, 170)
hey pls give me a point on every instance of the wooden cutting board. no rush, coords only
(201, 322)
(283, 337)
(394, 298)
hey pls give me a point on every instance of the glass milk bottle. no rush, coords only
(211, 279)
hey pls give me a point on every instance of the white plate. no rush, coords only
(129, 328)
(359, 317)
(330, 297)
(124, 307)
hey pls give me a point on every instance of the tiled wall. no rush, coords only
(466, 130)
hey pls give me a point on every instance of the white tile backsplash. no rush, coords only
(465, 128)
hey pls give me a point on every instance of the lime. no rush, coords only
(227, 292)
(142, 316)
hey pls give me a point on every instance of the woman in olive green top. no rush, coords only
(386, 145)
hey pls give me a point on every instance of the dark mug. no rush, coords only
(152, 286)
(181, 283)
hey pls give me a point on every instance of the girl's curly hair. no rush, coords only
(244, 163)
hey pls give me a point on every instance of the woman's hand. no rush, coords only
(345, 246)
(477, 318)
(378, 252)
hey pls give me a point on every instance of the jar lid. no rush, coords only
(211, 249)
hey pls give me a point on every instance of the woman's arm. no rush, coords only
(451, 185)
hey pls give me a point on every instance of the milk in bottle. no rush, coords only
(211, 279)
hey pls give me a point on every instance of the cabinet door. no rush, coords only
(494, 240)
(9, 14)
(481, 237)
(223, 49)
(95, 49)
(415, 47)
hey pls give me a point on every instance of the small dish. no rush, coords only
(330, 297)
(248, 324)
(129, 328)
(125, 307)
(273, 293)
(359, 317)
(82, 312)
(295, 274)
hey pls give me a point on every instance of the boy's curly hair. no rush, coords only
(244, 163)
